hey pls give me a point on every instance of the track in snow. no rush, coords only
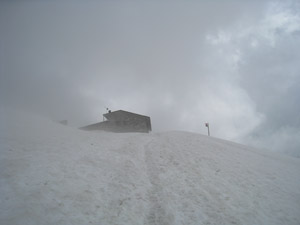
(158, 214)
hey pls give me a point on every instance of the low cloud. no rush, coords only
(234, 65)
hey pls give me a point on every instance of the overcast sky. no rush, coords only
(234, 64)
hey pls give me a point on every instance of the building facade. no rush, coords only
(122, 121)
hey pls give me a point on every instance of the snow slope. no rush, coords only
(53, 174)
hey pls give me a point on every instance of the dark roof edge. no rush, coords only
(126, 112)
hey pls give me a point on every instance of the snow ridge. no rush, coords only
(53, 174)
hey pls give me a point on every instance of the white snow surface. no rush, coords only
(54, 174)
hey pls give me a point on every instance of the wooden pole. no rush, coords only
(208, 130)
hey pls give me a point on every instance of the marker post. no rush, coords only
(207, 125)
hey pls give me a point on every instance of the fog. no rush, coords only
(234, 64)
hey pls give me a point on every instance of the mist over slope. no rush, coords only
(54, 174)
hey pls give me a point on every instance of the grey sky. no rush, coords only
(234, 64)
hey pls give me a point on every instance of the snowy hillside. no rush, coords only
(54, 174)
